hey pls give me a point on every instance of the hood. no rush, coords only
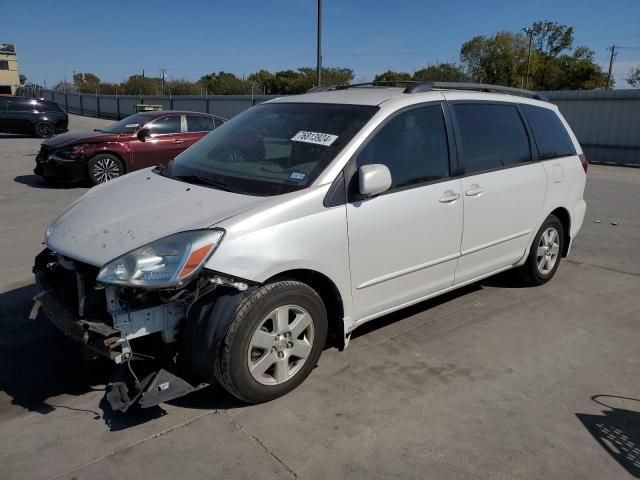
(116, 217)
(71, 138)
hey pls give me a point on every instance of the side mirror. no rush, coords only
(373, 179)
(143, 134)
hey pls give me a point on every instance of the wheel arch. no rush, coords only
(565, 218)
(329, 293)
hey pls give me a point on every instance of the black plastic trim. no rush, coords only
(337, 194)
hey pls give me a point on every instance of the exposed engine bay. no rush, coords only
(162, 342)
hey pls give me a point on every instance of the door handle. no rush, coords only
(449, 196)
(178, 141)
(474, 191)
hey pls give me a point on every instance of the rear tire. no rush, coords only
(273, 343)
(545, 253)
(44, 130)
(104, 167)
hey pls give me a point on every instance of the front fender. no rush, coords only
(206, 325)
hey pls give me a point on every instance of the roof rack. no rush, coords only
(474, 87)
(413, 86)
(380, 83)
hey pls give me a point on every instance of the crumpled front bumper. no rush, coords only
(122, 391)
(97, 336)
(53, 168)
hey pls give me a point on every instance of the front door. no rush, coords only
(165, 142)
(503, 189)
(404, 244)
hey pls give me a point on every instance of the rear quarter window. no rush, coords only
(199, 123)
(549, 133)
(492, 136)
(48, 107)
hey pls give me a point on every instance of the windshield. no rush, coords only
(127, 125)
(272, 148)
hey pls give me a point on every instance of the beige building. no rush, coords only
(9, 73)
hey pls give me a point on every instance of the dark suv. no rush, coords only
(141, 140)
(30, 116)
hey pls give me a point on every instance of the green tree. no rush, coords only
(182, 86)
(499, 60)
(550, 40)
(224, 83)
(264, 80)
(633, 78)
(443, 72)
(86, 82)
(391, 76)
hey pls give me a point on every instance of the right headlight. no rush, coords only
(167, 262)
(72, 152)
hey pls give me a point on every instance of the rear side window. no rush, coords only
(549, 133)
(48, 107)
(492, 136)
(170, 124)
(218, 121)
(413, 145)
(198, 123)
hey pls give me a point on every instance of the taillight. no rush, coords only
(584, 161)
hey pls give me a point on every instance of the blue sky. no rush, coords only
(189, 38)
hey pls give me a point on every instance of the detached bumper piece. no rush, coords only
(157, 387)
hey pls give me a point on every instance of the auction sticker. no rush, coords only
(324, 139)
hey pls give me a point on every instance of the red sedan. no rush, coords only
(138, 141)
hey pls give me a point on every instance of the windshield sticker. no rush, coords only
(132, 125)
(297, 176)
(324, 139)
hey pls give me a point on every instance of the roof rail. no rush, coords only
(380, 83)
(413, 86)
(475, 87)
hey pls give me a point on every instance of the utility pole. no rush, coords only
(319, 52)
(529, 32)
(613, 54)
(162, 70)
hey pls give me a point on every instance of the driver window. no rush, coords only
(413, 145)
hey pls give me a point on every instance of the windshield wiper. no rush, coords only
(202, 180)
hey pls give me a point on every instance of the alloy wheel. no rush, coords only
(44, 130)
(106, 169)
(280, 345)
(548, 250)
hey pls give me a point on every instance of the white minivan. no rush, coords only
(300, 220)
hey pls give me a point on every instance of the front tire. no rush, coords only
(44, 130)
(104, 167)
(545, 253)
(273, 343)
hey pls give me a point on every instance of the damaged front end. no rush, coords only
(158, 351)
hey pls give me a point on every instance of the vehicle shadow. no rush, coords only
(34, 181)
(617, 430)
(399, 315)
(14, 135)
(38, 363)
